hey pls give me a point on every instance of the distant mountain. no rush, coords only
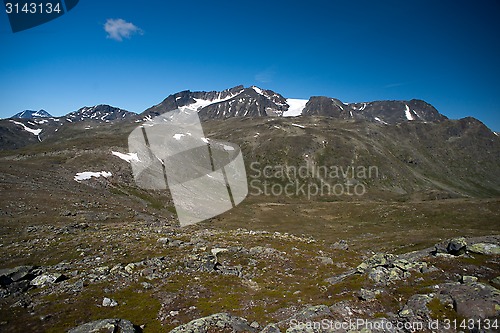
(385, 112)
(99, 113)
(30, 127)
(235, 102)
(29, 114)
(256, 102)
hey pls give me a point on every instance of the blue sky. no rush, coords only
(444, 52)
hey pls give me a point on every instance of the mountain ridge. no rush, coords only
(30, 114)
(254, 101)
(235, 102)
(240, 101)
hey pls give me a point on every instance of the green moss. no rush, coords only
(440, 311)
(140, 307)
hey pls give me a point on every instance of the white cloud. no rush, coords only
(118, 29)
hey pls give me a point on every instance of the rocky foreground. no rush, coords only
(152, 278)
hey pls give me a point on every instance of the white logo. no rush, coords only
(205, 177)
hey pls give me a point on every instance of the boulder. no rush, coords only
(416, 306)
(473, 300)
(218, 321)
(47, 279)
(9, 275)
(485, 248)
(468, 279)
(106, 326)
(109, 302)
(455, 247)
(377, 260)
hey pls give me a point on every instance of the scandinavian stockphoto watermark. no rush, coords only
(310, 180)
(205, 177)
(208, 177)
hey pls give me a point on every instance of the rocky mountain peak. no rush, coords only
(100, 113)
(29, 114)
(234, 102)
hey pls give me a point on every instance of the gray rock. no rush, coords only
(109, 302)
(217, 250)
(468, 279)
(176, 243)
(368, 295)
(340, 245)
(263, 251)
(473, 300)
(456, 246)
(9, 275)
(129, 268)
(31, 228)
(377, 260)
(342, 309)
(337, 278)
(18, 287)
(216, 321)
(496, 280)
(106, 326)
(378, 274)
(254, 324)
(325, 260)
(485, 248)
(47, 279)
(417, 306)
(103, 270)
(163, 240)
(271, 328)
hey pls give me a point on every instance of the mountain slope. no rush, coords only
(415, 160)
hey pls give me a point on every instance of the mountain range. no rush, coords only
(422, 153)
(238, 101)
(256, 102)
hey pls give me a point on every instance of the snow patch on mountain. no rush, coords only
(127, 157)
(408, 114)
(380, 121)
(202, 103)
(258, 90)
(28, 129)
(295, 107)
(86, 175)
